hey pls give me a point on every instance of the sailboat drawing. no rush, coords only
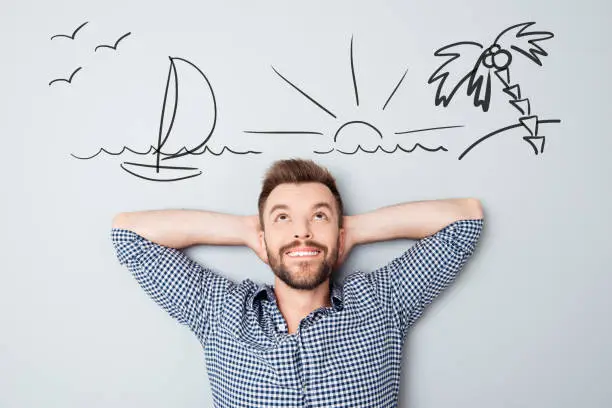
(164, 151)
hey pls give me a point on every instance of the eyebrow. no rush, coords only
(286, 207)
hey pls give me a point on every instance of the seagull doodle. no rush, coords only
(73, 33)
(69, 80)
(113, 47)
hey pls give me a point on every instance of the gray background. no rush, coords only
(526, 325)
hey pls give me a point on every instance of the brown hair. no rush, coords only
(297, 171)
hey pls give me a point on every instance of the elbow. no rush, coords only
(473, 209)
(120, 221)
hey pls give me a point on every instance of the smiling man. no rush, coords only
(306, 341)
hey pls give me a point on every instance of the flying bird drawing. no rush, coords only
(69, 80)
(73, 33)
(113, 47)
(469, 65)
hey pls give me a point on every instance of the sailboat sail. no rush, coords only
(196, 118)
(170, 101)
(172, 140)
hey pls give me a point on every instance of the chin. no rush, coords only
(315, 276)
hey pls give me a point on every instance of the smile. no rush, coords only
(313, 253)
(302, 252)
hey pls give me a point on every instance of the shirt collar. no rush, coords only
(337, 294)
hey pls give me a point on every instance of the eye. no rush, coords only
(320, 216)
(281, 217)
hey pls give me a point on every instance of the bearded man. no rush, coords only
(305, 341)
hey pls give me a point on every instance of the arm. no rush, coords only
(183, 228)
(147, 244)
(413, 220)
(447, 233)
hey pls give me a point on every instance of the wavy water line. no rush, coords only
(327, 152)
(103, 150)
(153, 150)
(397, 147)
(206, 148)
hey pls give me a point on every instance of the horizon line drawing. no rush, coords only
(475, 70)
(113, 47)
(69, 80)
(365, 125)
(156, 171)
(74, 33)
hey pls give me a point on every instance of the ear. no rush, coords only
(341, 246)
(263, 253)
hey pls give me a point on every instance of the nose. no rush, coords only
(303, 231)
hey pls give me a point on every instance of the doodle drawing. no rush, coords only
(74, 33)
(113, 47)
(475, 71)
(343, 142)
(69, 80)
(156, 171)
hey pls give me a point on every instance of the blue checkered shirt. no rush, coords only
(347, 355)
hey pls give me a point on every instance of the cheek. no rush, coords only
(328, 236)
(274, 240)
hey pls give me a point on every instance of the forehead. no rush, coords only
(302, 195)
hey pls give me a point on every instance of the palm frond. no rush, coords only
(480, 85)
(461, 58)
(516, 38)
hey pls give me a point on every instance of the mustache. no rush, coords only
(296, 243)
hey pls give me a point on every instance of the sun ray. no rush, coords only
(353, 74)
(395, 89)
(304, 93)
(283, 132)
(427, 129)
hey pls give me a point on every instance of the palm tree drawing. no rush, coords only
(474, 70)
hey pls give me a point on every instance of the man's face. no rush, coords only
(301, 234)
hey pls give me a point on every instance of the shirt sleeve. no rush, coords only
(190, 293)
(409, 283)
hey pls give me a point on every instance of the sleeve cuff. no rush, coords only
(463, 233)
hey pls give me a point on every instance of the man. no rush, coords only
(306, 341)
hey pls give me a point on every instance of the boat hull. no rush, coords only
(153, 172)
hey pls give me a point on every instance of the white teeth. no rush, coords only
(303, 253)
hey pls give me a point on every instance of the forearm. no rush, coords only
(413, 220)
(183, 228)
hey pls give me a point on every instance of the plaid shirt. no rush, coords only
(347, 355)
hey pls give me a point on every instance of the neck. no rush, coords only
(296, 304)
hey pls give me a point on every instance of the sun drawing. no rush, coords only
(370, 137)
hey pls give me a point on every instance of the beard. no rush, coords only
(310, 274)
